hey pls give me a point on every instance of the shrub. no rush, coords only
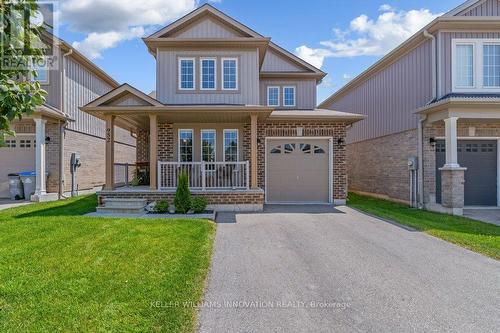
(182, 200)
(161, 207)
(199, 204)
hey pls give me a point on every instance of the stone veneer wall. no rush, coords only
(379, 166)
(437, 130)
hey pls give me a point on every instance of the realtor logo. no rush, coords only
(22, 47)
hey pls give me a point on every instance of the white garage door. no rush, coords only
(18, 155)
(298, 171)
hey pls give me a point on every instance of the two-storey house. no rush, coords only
(432, 131)
(236, 112)
(46, 140)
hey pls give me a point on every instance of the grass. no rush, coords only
(474, 235)
(60, 271)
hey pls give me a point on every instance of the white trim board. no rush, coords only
(330, 166)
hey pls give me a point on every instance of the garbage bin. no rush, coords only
(29, 183)
(15, 187)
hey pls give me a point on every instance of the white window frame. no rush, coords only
(215, 73)
(269, 88)
(477, 44)
(179, 143)
(294, 96)
(237, 143)
(215, 143)
(237, 74)
(179, 73)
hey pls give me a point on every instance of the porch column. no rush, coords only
(253, 150)
(153, 151)
(110, 152)
(451, 142)
(40, 186)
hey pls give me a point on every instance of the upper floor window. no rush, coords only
(231, 145)
(476, 65)
(42, 75)
(288, 96)
(186, 74)
(229, 73)
(208, 73)
(185, 145)
(273, 96)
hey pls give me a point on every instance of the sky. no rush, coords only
(342, 37)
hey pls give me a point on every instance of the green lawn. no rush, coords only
(476, 236)
(60, 271)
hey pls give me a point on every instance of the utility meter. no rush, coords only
(413, 163)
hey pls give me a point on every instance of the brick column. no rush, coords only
(452, 189)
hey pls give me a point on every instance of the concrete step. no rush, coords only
(125, 203)
(117, 210)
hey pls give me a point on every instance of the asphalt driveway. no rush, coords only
(342, 271)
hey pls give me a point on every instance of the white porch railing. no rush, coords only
(205, 175)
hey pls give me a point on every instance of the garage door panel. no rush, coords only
(20, 156)
(295, 173)
(480, 159)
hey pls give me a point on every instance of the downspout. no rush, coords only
(421, 122)
(63, 125)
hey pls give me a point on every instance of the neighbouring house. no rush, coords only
(236, 112)
(45, 140)
(435, 97)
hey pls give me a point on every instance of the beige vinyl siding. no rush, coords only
(53, 89)
(445, 44)
(248, 78)
(82, 87)
(486, 8)
(275, 63)
(207, 28)
(390, 96)
(305, 91)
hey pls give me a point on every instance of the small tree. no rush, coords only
(182, 200)
(19, 95)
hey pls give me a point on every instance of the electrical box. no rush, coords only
(75, 161)
(413, 163)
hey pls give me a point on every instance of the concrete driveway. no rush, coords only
(343, 271)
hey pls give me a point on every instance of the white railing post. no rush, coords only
(203, 176)
(247, 174)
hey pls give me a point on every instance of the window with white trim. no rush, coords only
(208, 144)
(186, 74)
(231, 146)
(273, 96)
(288, 96)
(229, 73)
(476, 65)
(491, 65)
(42, 74)
(208, 74)
(186, 145)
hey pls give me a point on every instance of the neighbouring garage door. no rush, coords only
(18, 155)
(480, 159)
(298, 171)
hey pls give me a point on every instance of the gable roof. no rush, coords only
(206, 9)
(120, 92)
(295, 59)
(466, 5)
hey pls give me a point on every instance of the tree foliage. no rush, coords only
(182, 199)
(19, 96)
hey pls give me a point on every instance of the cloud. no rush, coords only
(106, 23)
(347, 76)
(369, 37)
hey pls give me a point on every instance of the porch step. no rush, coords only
(123, 206)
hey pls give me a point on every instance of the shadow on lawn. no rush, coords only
(70, 207)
